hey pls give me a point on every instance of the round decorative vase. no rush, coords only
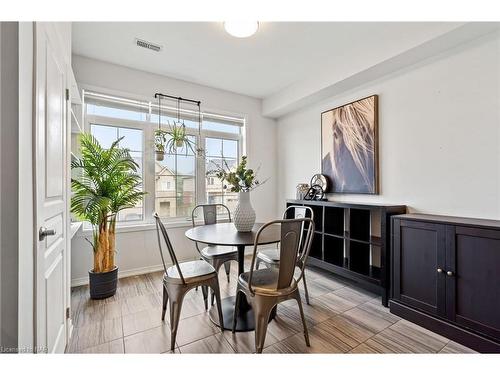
(244, 214)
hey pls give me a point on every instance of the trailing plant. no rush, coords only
(176, 138)
(160, 140)
(107, 185)
(242, 179)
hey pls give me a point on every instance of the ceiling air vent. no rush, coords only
(145, 44)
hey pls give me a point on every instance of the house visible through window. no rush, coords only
(176, 184)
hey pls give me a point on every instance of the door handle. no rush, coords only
(449, 273)
(439, 270)
(44, 232)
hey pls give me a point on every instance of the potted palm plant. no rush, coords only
(108, 183)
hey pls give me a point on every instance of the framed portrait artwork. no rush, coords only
(349, 147)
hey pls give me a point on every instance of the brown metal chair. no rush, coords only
(271, 257)
(266, 288)
(180, 278)
(214, 254)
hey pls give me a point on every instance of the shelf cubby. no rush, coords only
(318, 216)
(334, 221)
(359, 257)
(359, 224)
(317, 247)
(334, 250)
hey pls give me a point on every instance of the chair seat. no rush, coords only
(194, 271)
(265, 282)
(271, 256)
(214, 251)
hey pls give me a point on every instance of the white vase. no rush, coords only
(244, 214)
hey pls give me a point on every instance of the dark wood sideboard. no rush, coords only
(446, 277)
(352, 240)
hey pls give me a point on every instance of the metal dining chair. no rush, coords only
(216, 255)
(271, 257)
(267, 287)
(180, 278)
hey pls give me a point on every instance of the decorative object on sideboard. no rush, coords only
(349, 147)
(302, 190)
(242, 181)
(319, 184)
(315, 193)
(99, 200)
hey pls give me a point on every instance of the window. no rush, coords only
(133, 140)
(175, 183)
(180, 181)
(220, 152)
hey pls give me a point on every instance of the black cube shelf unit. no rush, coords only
(352, 240)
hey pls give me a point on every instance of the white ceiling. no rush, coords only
(279, 55)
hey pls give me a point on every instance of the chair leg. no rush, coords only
(262, 309)
(257, 263)
(204, 290)
(216, 291)
(175, 314)
(305, 287)
(302, 316)
(165, 302)
(227, 267)
(236, 309)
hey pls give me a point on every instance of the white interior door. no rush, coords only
(51, 195)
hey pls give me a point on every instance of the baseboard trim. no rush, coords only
(121, 274)
(442, 327)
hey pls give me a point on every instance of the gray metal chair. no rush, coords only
(266, 288)
(180, 279)
(271, 257)
(214, 254)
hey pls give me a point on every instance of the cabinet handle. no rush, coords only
(449, 273)
(440, 270)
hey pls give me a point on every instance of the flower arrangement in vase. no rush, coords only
(242, 180)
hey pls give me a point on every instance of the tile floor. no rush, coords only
(341, 319)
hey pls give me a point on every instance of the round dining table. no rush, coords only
(225, 234)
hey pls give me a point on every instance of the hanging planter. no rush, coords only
(160, 140)
(175, 138)
(160, 155)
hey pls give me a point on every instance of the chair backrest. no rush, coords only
(161, 228)
(209, 214)
(298, 213)
(292, 248)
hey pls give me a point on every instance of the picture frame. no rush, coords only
(349, 147)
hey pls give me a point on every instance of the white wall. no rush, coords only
(137, 250)
(26, 243)
(439, 135)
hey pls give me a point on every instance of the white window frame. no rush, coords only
(148, 168)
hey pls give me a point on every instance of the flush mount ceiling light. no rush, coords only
(241, 29)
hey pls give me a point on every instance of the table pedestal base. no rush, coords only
(245, 320)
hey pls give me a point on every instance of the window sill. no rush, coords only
(142, 227)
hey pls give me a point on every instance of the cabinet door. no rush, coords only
(418, 255)
(473, 288)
